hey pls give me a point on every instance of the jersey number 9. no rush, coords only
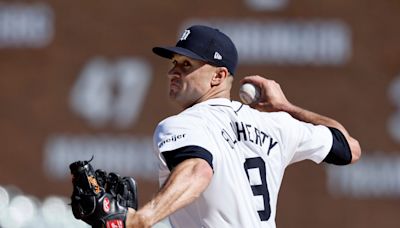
(258, 185)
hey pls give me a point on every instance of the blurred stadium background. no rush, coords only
(77, 78)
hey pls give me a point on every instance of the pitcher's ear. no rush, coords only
(221, 73)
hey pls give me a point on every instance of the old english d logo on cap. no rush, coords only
(185, 34)
(206, 44)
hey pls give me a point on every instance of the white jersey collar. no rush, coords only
(217, 101)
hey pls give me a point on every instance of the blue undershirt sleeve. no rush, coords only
(174, 157)
(340, 153)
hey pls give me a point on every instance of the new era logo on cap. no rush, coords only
(217, 56)
(206, 44)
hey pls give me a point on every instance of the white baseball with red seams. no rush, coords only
(249, 93)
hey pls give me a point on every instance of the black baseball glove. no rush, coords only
(99, 199)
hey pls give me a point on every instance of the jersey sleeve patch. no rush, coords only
(174, 157)
(340, 153)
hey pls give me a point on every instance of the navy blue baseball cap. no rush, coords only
(206, 44)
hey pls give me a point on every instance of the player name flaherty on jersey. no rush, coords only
(247, 132)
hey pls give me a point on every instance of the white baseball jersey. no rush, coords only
(250, 151)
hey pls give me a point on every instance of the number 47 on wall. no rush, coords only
(111, 92)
